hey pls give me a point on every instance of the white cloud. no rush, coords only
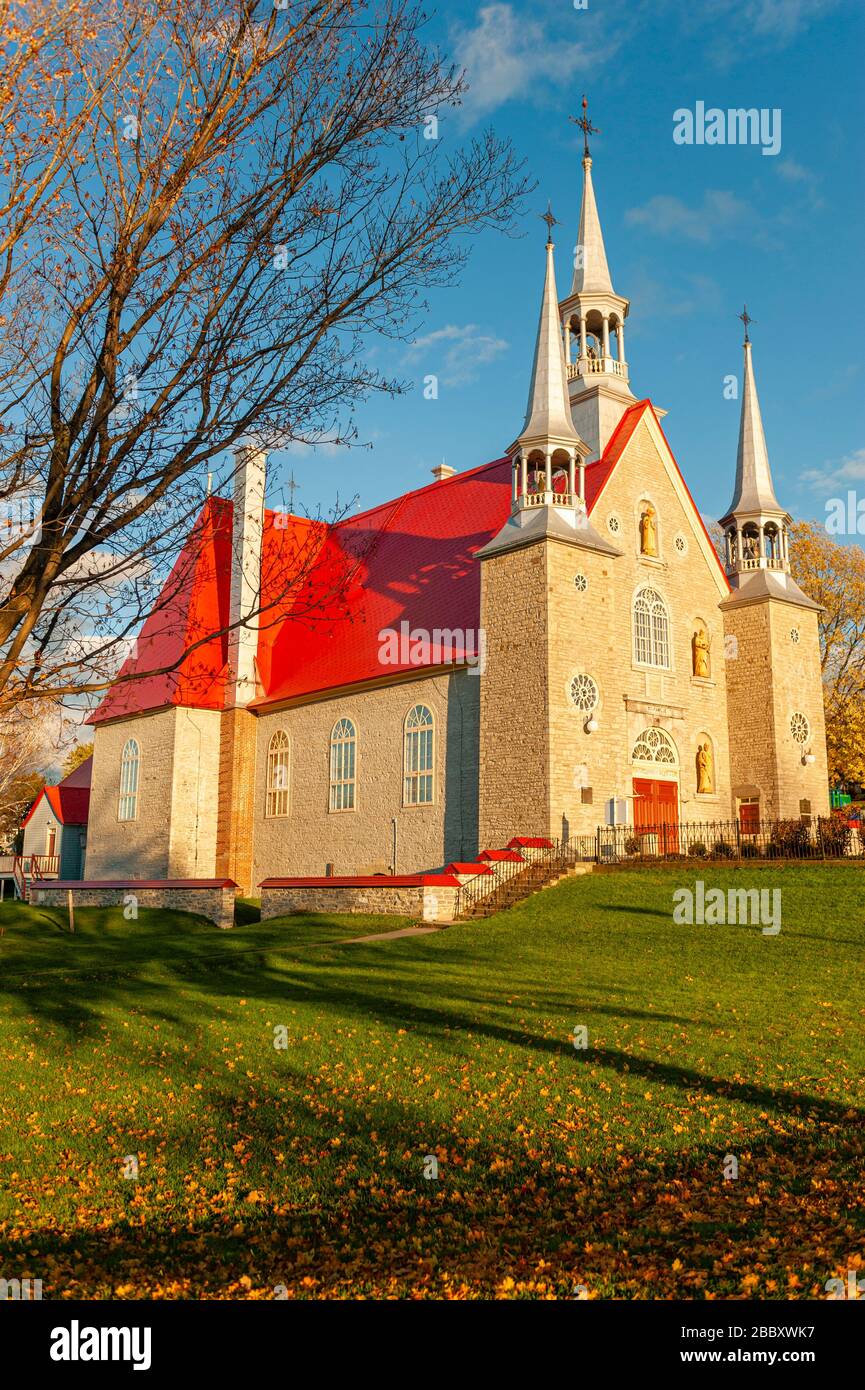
(721, 213)
(783, 20)
(510, 57)
(850, 469)
(454, 353)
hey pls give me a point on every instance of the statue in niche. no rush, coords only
(648, 532)
(705, 776)
(700, 649)
(749, 548)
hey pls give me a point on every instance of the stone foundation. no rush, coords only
(210, 898)
(427, 897)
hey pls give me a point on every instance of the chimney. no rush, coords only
(442, 470)
(250, 465)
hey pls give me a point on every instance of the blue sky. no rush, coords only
(691, 233)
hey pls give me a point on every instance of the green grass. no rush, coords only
(304, 1166)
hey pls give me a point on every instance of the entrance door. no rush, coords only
(656, 812)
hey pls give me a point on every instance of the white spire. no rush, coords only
(548, 413)
(754, 491)
(591, 272)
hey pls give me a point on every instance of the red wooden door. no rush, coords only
(656, 811)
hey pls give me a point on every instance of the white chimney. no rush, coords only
(250, 467)
(443, 470)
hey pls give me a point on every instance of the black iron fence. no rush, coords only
(821, 837)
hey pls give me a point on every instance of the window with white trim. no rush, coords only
(651, 629)
(278, 771)
(418, 776)
(343, 761)
(130, 760)
(654, 746)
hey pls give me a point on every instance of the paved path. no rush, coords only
(390, 935)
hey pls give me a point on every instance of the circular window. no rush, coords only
(681, 543)
(581, 583)
(799, 727)
(614, 524)
(583, 693)
(794, 634)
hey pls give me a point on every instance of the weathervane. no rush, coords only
(746, 319)
(585, 125)
(550, 221)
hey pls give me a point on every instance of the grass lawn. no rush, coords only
(303, 1166)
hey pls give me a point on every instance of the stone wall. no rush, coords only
(213, 899)
(360, 841)
(426, 903)
(514, 753)
(773, 676)
(174, 832)
(236, 809)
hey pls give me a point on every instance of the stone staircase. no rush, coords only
(500, 878)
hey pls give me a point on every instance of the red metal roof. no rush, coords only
(133, 883)
(366, 881)
(328, 592)
(69, 804)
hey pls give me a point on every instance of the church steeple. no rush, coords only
(548, 456)
(591, 272)
(755, 524)
(593, 322)
(548, 414)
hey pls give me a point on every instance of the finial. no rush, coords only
(550, 221)
(746, 319)
(585, 126)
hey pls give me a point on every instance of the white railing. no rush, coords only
(588, 366)
(547, 499)
(762, 562)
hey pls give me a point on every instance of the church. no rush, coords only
(531, 647)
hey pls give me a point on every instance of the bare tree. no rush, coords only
(205, 216)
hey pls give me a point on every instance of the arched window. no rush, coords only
(343, 746)
(129, 762)
(418, 759)
(276, 801)
(655, 746)
(651, 629)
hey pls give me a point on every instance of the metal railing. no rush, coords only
(814, 838)
(819, 837)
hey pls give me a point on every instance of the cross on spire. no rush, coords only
(746, 319)
(585, 126)
(550, 221)
(292, 488)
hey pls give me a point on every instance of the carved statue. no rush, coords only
(705, 778)
(648, 532)
(749, 547)
(700, 648)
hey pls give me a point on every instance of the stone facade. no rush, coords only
(173, 833)
(543, 630)
(774, 651)
(360, 841)
(211, 899)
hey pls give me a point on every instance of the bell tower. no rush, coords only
(778, 762)
(593, 320)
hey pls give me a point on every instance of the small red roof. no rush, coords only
(366, 881)
(468, 869)
(331, 594)
(70, 799)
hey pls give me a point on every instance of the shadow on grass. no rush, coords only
(375, 1226)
